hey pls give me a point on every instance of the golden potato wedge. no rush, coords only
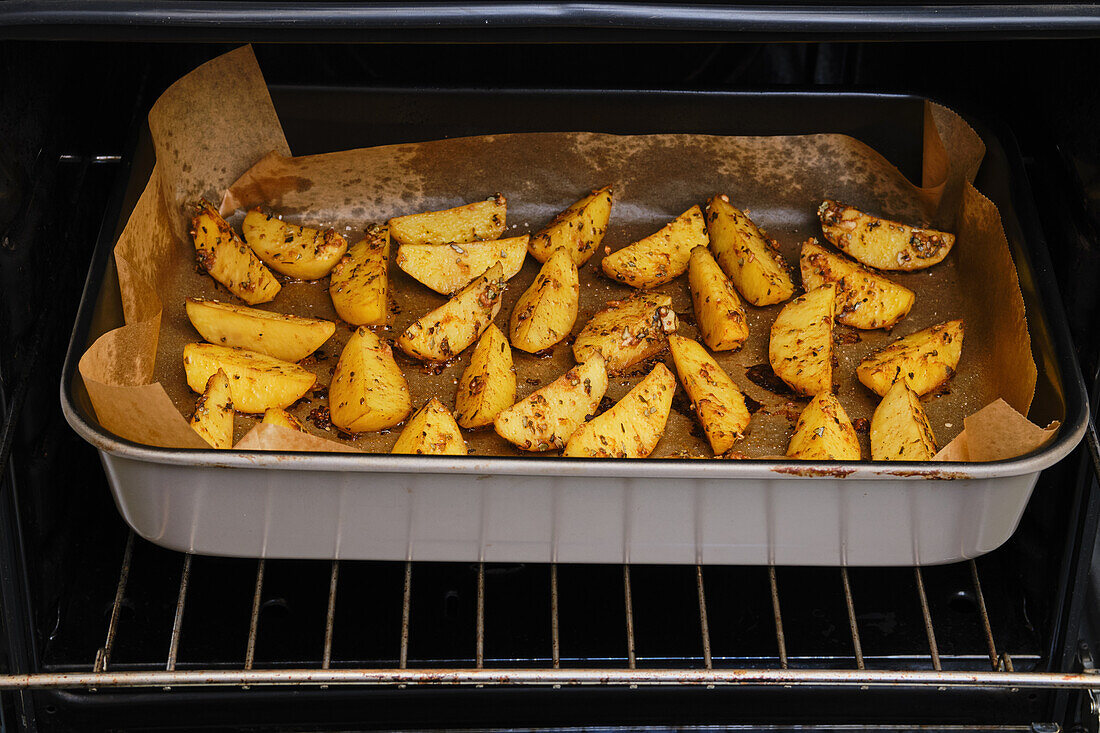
(579, 229)
(469, 223)
(297, 251)
(275, 416)
(368, 390)
(447, 268)
(660, 257)
(632, 426)
(256, 381)
(864, 299)
(927, 358)
(824, 432)
(446, 331)
(627, 331)
(546, 418)
(750, 259)
(899, 428)
(220, 252)
(881, 243)
(431, 431)
(213, 418)
(719, 313)
(359, 283)
(286, 337)
(716, 400)
(488, 385)
(547, 310)
(801, 345)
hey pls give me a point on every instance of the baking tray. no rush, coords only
(540, 509)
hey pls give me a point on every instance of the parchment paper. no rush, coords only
(135, 375)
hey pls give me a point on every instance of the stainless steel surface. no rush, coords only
(703, 628)
(632, 659)
(406, 598)
(776, 612)
(926, 612)
(254, 620)
(555, 640)
(857, 645)
(330, 614)
(986, 626)
(103, 656)
(177, 622)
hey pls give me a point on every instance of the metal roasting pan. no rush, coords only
(542, 509)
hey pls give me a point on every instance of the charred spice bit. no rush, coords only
(862, 425)
(321, 418)
(762, 375)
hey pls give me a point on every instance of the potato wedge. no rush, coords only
(881, 243)
(446, 331)
(469, 223)
(632, 427)
(213, 418)
(824, 432)
(801, 345)
(275, 416)
(716, 400)
(220, 252)
(359, 283)
(447, 268)
(864, 299)
(431, 431)
(747, 256)
(627, 331)
(660, 257)
(927, 358)
(286, 337)
(899, 428)
(256, 381)
(546, 418)
(368, 390)
(488, 385)
(302, 252)
(719, 313)
(547, 310)
(579, 229)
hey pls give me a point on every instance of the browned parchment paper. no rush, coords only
(778, 180)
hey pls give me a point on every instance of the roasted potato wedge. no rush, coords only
(447, 268)
(660, 257)
(213, 418)
(488, 385)
(716, 400)
(275, 416)
(864, 299)
(719, 313)
(926, 358)
(881, 243)
(256, 381)
(286, 337)
(579, 229)
(632, 426)
(302, 252)
(824, 432)
(747, 256)
(469, 223)
(221, 253)
(546, 418)
(547, 310)
(899, 428)
(431, 431)
(446, 331)
(359, 283)
(801, 345)
(627, 331)
(368, 390)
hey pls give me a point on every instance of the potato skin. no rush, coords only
(256, 381)
(801, 345)
(927, 358)
(881, 243)
(716, 400)
(899, 428)
(627, 331)
(275, 416)
(632, 427)
(547, 310)
(488, 384)
(864, 299)
(368, 391)
(302, 252)
(545, 419)
(469, 223)
(579, 228)
(446, 331)
(221, 253)
(359, 283)
(431, 431)
(719, 312)
(283, 336)
(447, 268)
(213, 418)
(751, 260)
(660, 257)
(824, 432)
